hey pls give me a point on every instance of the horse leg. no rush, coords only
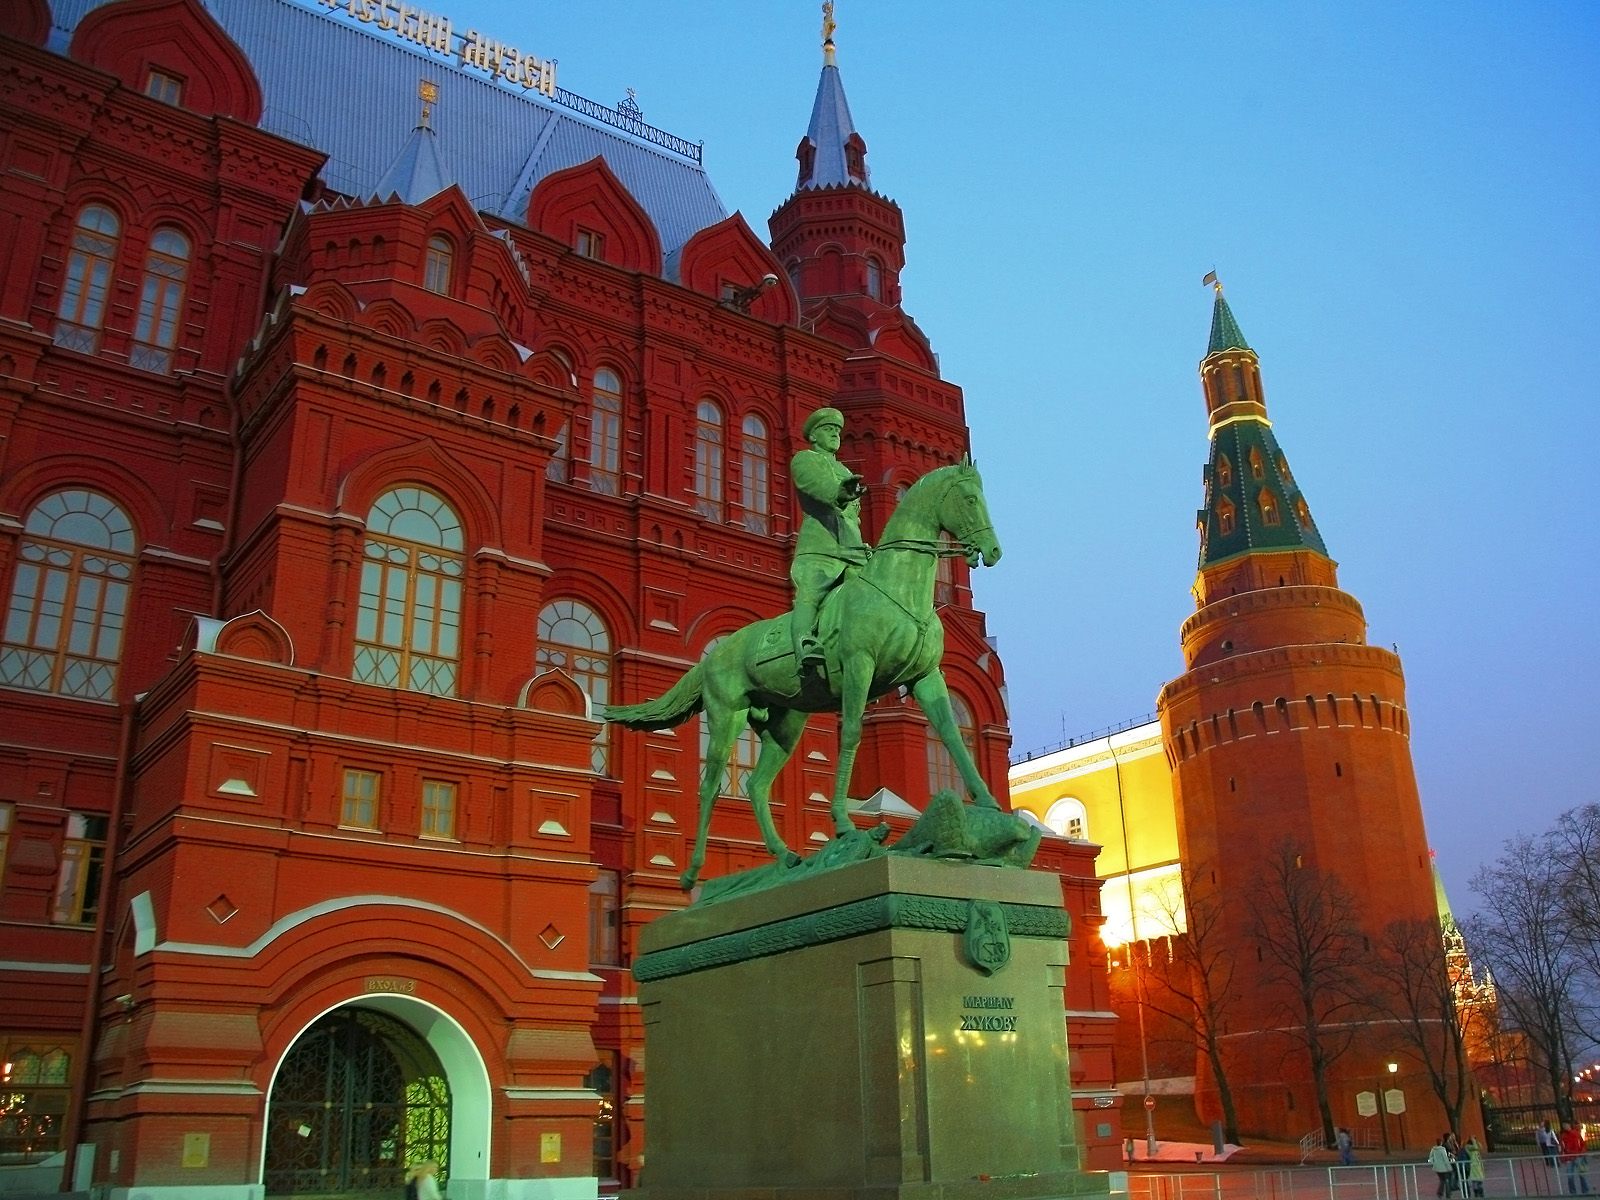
(934, 697)
(726, 724)
(852, 704)
(779, 737)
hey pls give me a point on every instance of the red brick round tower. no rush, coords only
(1289, 742)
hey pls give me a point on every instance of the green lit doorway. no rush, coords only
(359, 1098)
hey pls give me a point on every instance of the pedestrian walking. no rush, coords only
(1575, 1158)
(1439, 1160)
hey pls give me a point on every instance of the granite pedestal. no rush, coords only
(862, 1035)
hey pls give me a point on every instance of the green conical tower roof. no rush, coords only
(1252, 500)
(1225, 332)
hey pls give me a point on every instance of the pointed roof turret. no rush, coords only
(418, 173)
(1225, 332)
(1252, 500)
(832, 153)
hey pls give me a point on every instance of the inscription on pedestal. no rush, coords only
(988, 1014)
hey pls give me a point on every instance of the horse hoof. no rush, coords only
(790, 859)
(687, 880)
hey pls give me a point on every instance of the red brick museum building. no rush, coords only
(345, 468)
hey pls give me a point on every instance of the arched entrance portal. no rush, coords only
(359, 1097)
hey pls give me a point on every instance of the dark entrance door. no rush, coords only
(359, 1098)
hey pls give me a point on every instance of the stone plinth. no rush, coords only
(833, 1039)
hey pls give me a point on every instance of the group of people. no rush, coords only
(1459, 1168)
(1567, 1152)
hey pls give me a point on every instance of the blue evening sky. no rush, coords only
(1403, 201)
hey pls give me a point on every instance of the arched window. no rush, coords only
(560, 467)
(166, 271)
(708, 479)
(942, 771)
(1069, 818)
(874, 279)
(69, 598)
(1269, 507)
(755, 474)
(1224, 516)
(605, 434)
(82, 310)
(408, 627)
(573, 639)
(1258, 468)
(746, 750)
(1224, 471)
(437, 265)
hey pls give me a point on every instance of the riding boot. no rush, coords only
(803, 627)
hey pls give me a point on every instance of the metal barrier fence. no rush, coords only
(1502, 1177)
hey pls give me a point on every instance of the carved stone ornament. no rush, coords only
(987, 941)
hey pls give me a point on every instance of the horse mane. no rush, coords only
(915, 494)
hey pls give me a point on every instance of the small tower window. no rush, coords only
(1224, 471)
(437, 267)
(1283, 469)
(1301, 512)
(164, 87)
(874, 279)
(1269, 508)
(591, 244)
(1224, 517)
(1258, 467)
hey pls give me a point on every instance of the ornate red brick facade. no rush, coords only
(327, 513)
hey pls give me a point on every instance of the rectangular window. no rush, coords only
(35, 1074)
(438, 809)
(83, 856)
(163, 87)
(591, 244)
(605, 915)
(359, 806)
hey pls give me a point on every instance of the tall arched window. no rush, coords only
(69, 599)
(82, 310)
(746, 750)
(1069, 818)
(573, 639)
(436, 266)
(408, 627)
(166, 271)
(755, 474)
(708, 487)
(942, 771)
(605, 434)
(874, 279)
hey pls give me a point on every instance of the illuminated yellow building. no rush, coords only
(1115, 791)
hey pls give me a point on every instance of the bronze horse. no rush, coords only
(879, 631)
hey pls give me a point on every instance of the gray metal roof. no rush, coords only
(351, 92)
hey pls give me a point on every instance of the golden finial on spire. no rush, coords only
(1212, 281)
(429, 93)
(828, 26)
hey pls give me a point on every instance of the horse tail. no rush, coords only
(682, 700)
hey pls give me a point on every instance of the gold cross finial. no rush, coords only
(429, 93)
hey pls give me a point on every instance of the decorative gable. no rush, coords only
(196, 65)
(27, 21)
(896, 335)
(588, 208)
(729, 254)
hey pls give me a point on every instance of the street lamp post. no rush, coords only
(1393, 1067)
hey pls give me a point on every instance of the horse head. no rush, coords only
(964, 514)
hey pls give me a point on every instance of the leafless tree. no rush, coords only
(1309, 935)
(1194, 987)
(1521, 935)
(1574, 847)
(1432, 998)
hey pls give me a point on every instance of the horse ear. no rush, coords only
(966, 460)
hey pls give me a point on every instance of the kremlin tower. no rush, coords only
(1288, 738)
